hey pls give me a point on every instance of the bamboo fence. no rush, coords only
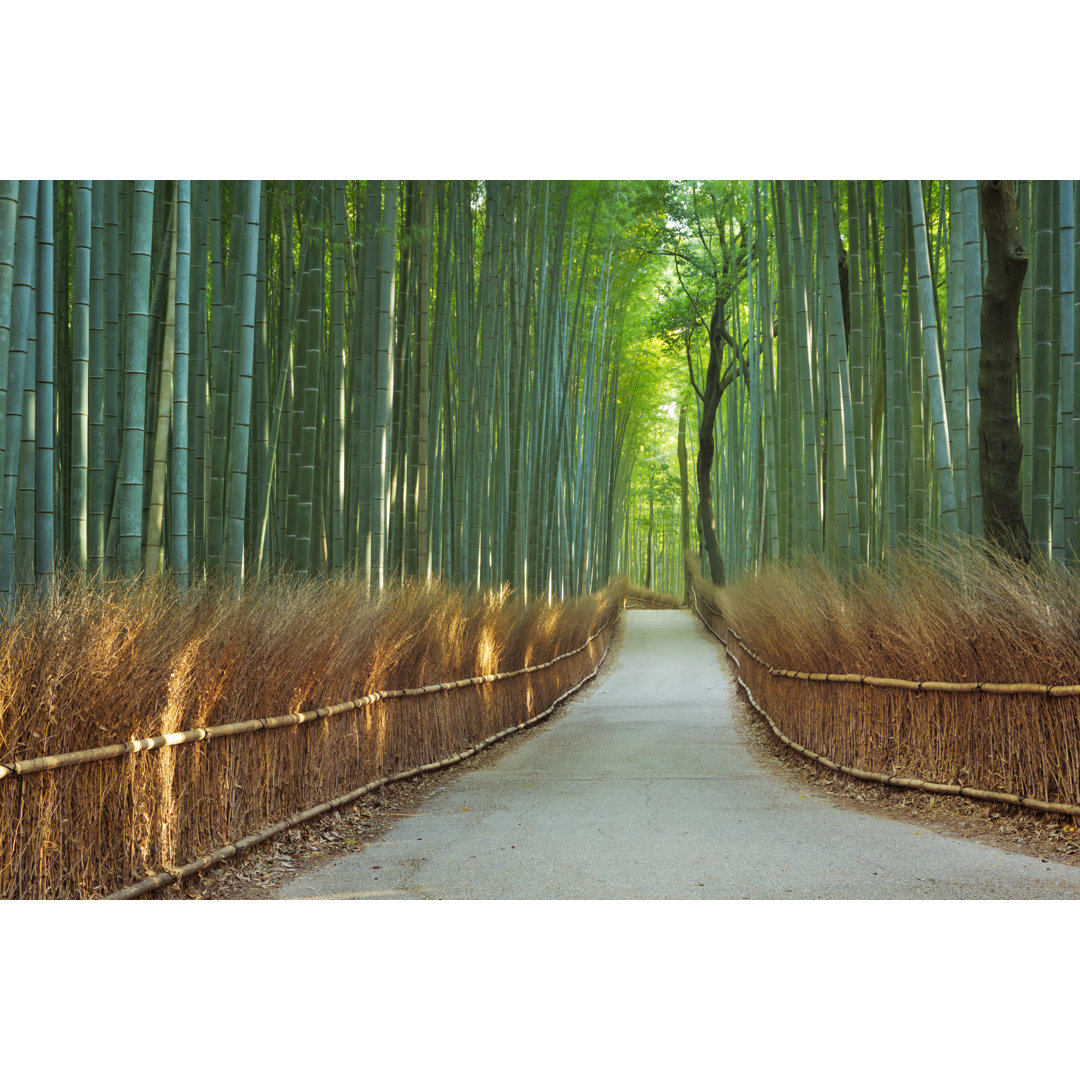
(120, 821)
(1013, 743)
(635, 595)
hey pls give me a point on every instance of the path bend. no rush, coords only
(643, 787)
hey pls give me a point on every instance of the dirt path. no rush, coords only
(652, 786)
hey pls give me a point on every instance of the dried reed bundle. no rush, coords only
(637, 596)
(91, 666)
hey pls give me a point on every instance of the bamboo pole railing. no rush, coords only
(931, 686)
(88, 822)
(178, 738)
(167, 877)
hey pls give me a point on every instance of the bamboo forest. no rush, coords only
(372, 468)
(542, 384)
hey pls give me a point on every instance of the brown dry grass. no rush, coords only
(950, 613)
(95, 665)
(651, 598)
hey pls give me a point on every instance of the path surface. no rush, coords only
(644, 789)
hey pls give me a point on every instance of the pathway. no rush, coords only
(642, 788)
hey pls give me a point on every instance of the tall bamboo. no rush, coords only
(80, 363)
(1042, 420)
(44, 398)
(18, 358)
(239, 440)
(136, 320)
(152, 552)
(935, 383)
(179, 548)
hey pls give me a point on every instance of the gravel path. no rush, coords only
(644, 788)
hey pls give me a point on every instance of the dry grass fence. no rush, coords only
(637, 596)
(169, 681)
(947, 672)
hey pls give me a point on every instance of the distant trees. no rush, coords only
(880, 354)
(707, 246)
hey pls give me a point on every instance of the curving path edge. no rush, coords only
(642, 788)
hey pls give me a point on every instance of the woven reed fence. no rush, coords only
(1017, 743)
(635, 596)
(127, 818)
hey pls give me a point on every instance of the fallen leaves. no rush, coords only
(269, 865)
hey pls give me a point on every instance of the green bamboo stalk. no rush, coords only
(337, 370)
(894, 353)
(440, 429)
(1024, 192)
(857, 360)
(26, 501)
(45, 402)
(80, 411)
(956, 372)
(813, 512)
(935, 383)
(1041, 430)
(153, 548)
(969, 195)
(423, 525)
(130, 475)
(790, 460)
(64, 197)
(239, 441)
(179, 549)
(262, 473)
(96, 405)
(25, 249)
(1067, 399)
(876, 386)
(219, 372)
(384, 388)
(9, 213)
(919, 510)
(309, 345)
(199, 375)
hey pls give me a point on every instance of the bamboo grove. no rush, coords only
(408, 378)
(482, 380)
(842, 324)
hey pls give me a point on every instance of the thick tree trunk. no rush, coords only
(1000, 447)
(707, 447)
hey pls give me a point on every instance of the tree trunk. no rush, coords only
(1000, 448)
(707, 447)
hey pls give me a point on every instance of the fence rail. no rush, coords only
(178, 738)
(876, 735)
(91, 822)
(168, 876)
